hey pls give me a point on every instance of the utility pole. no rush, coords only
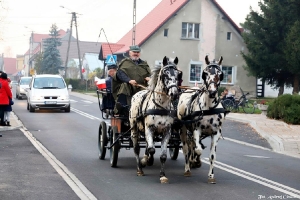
(30, 51)
(134, 22)
(74, 19)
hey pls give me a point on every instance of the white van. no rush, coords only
(48, 91)
(22, 86)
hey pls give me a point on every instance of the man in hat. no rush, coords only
(132, 72)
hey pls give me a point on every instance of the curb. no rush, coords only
(15, 121)
(275, 141)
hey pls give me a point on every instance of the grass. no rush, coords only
(89, 92)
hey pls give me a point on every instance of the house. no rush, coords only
(36, 46)
(10, 67)
(190, 30)
(68, 50)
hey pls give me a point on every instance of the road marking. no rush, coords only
(73, 100)
(247, 144)
(85, 114)
(254, 156)
(85, 101)
(255, 178)
(81, 191)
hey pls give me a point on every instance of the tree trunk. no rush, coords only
(296, 84)
(281, 90)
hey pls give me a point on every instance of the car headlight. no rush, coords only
(36, 98)
(64, 97)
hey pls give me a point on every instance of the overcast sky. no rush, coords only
(111, 15)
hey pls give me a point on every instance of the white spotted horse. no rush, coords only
(202, 114)
(152, 114)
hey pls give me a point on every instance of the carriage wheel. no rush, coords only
(174, 152)
(248, 108)
(102, 140)
(114, 151)
(228, 104)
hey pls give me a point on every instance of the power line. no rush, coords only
(73, 20)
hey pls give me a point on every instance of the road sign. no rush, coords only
(111, 59)
(32, 71)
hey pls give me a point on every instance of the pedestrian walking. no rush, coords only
(5, 95)
(8, 108)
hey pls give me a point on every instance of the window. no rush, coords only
(228, 35)
(166, 32)
(190, 30)
(228, 75)
(195, 72)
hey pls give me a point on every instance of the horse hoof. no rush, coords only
(164, 180)
(187, 174)
(212, 181)
(140, 173)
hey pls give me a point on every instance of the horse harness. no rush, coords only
(195, 116)
(162, 111)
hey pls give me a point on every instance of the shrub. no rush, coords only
(285, 107)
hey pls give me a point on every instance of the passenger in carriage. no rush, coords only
(131, 72)
(111, 70)
(226, 95)
(108, 101)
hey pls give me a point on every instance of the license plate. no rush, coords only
(50, 102)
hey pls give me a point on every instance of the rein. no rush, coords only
(141, 86)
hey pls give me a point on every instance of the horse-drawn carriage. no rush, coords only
(114, 133)
(153, 121)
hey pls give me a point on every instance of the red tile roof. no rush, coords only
(151, 22)
(110, 48)
(156, 18)
(39, 37)
(10, 65)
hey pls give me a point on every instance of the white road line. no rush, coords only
(247, 144)
(85, 101)
(258, 179)
(254, 156)
(85, 114)
(81, 191)
(73, 100)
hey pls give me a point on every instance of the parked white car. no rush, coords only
(22, 86)
(48, 91)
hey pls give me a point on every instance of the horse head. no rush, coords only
(169, 76)
(212, 76)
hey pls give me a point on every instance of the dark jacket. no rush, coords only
(130, 70)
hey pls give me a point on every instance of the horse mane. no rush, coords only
(154, 77)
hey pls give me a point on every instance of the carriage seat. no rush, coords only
(108, 102)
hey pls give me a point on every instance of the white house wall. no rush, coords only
(208, 30)
(213, 30)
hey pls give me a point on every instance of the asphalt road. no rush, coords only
(242, 171)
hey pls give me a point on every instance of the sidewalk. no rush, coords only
(14, 122)
(283, 138)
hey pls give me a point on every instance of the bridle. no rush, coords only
(209, 69)
(171, 67)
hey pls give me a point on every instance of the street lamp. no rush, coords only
(30, 50)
